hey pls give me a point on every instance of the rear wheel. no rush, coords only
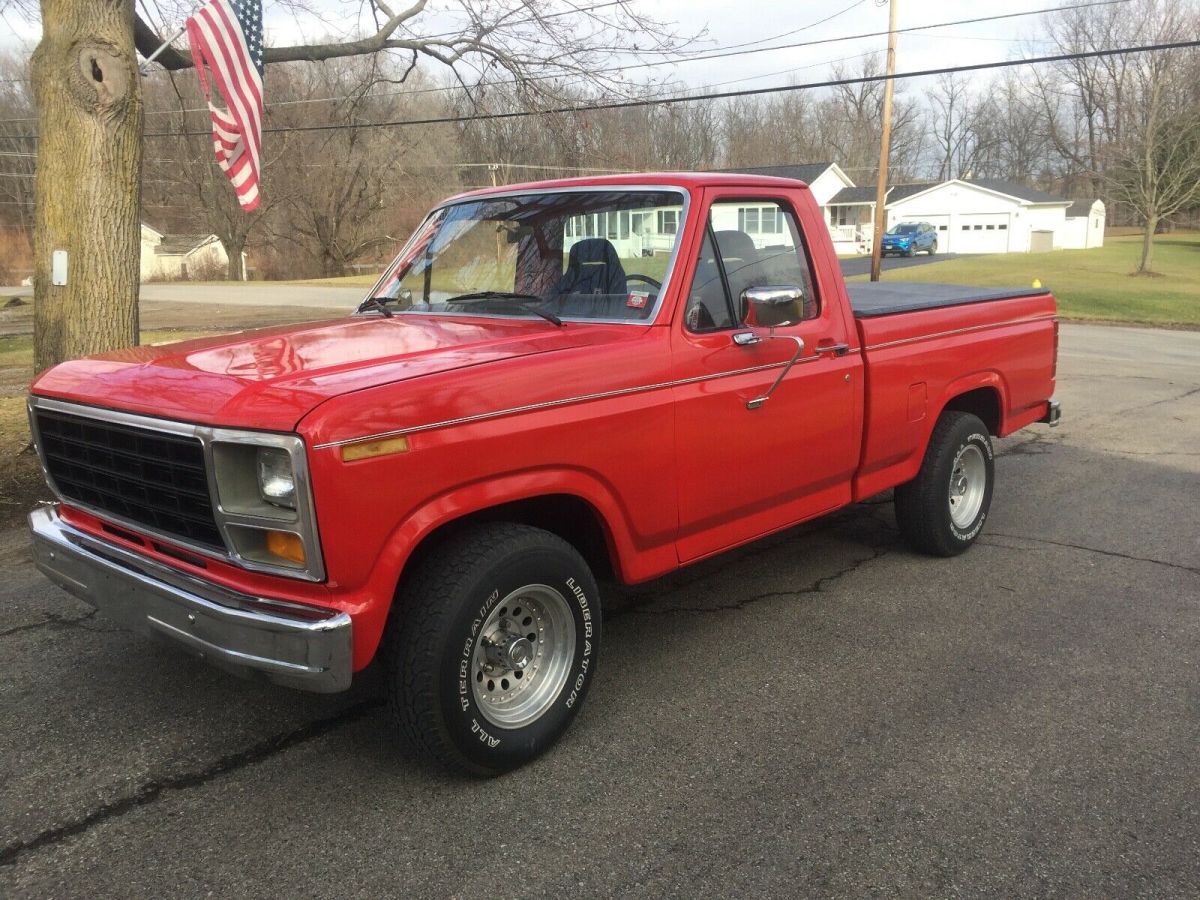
(492, 647)
(942, 510)
(933, 248)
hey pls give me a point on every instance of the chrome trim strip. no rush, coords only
(460, 199)
(221, 625)
(550, 404)
(966, 330)
(304, 522)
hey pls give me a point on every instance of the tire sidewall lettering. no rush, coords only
(464, 714)
(983, 443)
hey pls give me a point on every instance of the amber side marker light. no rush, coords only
(367, 449)
(286, 545)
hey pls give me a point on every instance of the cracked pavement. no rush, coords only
(821, 712)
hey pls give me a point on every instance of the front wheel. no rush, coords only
(492, 647)
(942, 510)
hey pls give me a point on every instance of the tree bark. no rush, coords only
(1148, 245)
(89, 104)
(233, 270)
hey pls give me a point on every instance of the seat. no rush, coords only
(593, 267)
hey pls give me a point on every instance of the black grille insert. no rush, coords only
(139, 474)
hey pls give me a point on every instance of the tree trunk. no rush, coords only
(1147, 245)
(233, 270)
(89, 103)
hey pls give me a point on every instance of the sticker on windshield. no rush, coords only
(638, 299)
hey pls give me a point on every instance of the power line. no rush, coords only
(720, 95)
(719, 53)
(724, 52)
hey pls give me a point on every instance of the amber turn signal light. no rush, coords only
(367, 449)
(286, 545)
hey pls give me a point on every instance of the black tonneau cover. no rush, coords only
(885, 298)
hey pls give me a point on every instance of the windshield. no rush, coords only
(600, 254)
(905, 229)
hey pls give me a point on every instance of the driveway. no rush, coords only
(861, 265)
(820, 713)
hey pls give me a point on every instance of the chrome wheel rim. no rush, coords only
(523, 655)
(968, 480)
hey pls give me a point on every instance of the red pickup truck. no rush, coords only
(608, 377)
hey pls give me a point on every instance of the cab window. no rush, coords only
(733, 259)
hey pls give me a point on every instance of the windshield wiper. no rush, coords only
(512, 296)
(377, 303)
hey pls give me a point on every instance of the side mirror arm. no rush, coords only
(749, 338)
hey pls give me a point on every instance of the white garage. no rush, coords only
(984, 215)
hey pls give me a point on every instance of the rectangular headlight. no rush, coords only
(264, 503)
(276, 479)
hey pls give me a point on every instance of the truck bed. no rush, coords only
(885, 299)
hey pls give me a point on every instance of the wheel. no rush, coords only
(933, 248)
(942, 510)
(492, 647)
(909, 251)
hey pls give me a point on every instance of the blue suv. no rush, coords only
(907, 238)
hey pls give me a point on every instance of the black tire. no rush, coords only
(908, 252)
(923, 505)
(933, 248)
(435, 629)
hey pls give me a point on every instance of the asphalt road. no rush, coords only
(861, 265)
(821, 713)
(316, 296)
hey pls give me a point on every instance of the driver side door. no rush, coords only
(749, 466)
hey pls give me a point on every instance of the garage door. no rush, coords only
(980, 233)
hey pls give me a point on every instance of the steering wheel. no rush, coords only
(657, 285)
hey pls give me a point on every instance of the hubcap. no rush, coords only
(523, 656)
(968, 480)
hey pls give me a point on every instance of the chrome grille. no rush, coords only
(141, 475)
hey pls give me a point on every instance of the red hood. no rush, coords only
(271, 378)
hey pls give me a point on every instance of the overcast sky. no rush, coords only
(730, 22)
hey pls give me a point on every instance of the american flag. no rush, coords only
(226, 37)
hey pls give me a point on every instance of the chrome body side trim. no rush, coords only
(220, 625)
(459, 200)
(968, 329)
(304, 522)
(550, 404)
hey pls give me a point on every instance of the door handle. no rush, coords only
(838, 349)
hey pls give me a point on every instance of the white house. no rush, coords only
(976, 215)
(179, 257)
(982, 215)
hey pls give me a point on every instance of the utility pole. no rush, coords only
(885, 146)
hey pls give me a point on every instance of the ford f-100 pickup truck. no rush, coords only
(553, 382)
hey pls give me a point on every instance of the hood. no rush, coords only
(270, 378)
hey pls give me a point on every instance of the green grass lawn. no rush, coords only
(1090, 284)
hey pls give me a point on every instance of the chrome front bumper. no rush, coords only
(215, 623)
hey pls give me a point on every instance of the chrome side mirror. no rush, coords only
(773, 306)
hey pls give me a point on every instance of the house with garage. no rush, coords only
(971, 215)
(179, 257)
(982, 215)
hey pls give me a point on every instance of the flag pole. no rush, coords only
(144, 67)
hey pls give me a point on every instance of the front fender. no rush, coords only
(633, 560)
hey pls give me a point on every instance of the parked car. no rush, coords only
(523, 403)
(908, 238)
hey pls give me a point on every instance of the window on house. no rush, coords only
(1002, 227)
(668, 221)
(991, 228)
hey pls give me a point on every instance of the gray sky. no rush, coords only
(750, 20)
